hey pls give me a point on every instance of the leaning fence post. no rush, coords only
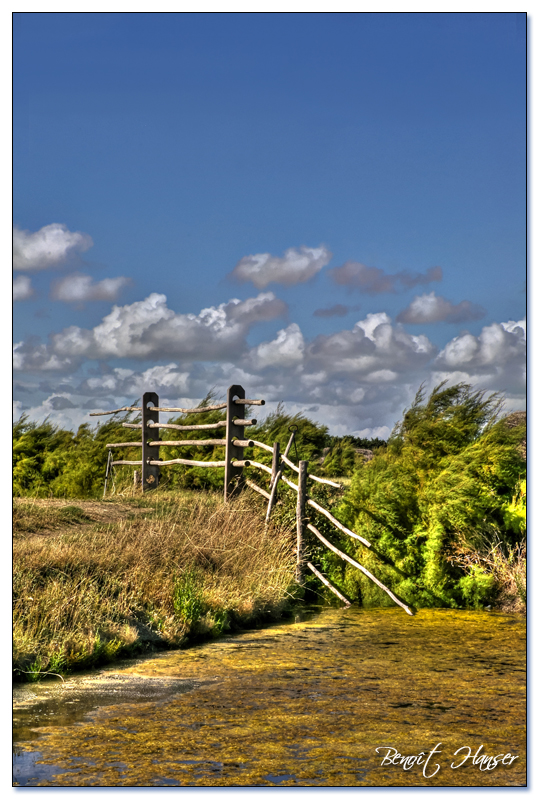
(300, 520)
(149, 472)
(232, 452)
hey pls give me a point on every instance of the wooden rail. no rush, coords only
(337, 523)
(125, 444)
(189, 442)
(235, 424)
(191, 463)
(328, 583)
(205, 427)
(366, 572)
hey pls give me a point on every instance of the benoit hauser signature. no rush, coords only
(481, 760)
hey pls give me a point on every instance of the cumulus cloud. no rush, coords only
(430, 307)
(497, 345)
(374, 280)
(373, 345)
(338, 310)
(22, 288)
(50, 247)
(149, 329)
(79, 288)
(286, 350)
(121, 382)
(297, 265)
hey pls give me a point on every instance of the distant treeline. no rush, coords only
(443, 501)
(49, 461)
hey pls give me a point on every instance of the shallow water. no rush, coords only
(296, 704)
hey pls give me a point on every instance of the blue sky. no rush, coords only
(328, 208)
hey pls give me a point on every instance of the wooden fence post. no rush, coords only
(300, 520)
(233, 453)
(149, 473)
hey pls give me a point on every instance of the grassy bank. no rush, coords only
(94, 581)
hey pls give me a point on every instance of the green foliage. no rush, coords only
(309, 441)
(48, 461)
(447, 477)
(188, 599)
(515, 512)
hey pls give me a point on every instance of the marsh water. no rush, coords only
(303, 703)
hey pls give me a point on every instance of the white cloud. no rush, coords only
(496, 345)
(128, 383)
(148, 329)
(79, 288)
(430, 307)
(372, 346)
(47, 248)
(22, 288)
(297, 265)
(286, 350)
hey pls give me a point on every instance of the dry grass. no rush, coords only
(507, 565)
(184, 569)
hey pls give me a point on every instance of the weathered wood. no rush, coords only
(198, 410)
(243, 402)
(257, 488)
(108, 469)
(116, 411)
(288, 482)
(128, 463)
(150, 413)
(366, 572)
(328, 583)
(243, 442)
(124, 444)
(204, 427)
(275, 462)
(300, 520)
(290, 463)
(260, 466)
(189, 463)
(244, 422)
(325, 480)
(337, 523)
(234, 430)
(190, 442)
(263, 445)
(311, 477)
(274, 484)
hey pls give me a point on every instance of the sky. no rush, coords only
(327, 208)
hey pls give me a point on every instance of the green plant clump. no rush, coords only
(439, 495)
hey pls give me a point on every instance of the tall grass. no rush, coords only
(192, 567)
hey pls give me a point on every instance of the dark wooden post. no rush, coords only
(232, 453)
(149, 473)
(300, 520)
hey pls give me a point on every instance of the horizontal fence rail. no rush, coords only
(197, 410)
(191, 463)
(233, 464)
(189, 442)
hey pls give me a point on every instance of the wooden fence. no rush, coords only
(234, 463)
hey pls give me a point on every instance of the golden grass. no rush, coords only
(188, 567)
